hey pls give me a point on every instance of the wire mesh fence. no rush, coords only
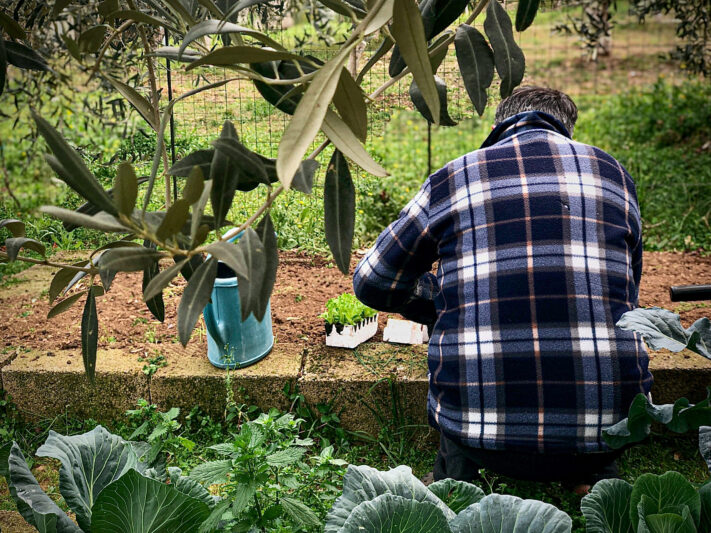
(639, 55)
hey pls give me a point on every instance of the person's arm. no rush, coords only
(394, 274)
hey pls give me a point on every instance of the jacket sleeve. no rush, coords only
(394, 274)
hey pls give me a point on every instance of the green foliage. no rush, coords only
(161, 430)
(346, 310)
(662, 329)
(265, 477)
(396, 501)
(660, 134)
(665, 502)
(116, 497)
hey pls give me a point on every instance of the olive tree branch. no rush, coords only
(45, 262)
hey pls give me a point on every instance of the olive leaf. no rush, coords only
(508, 57)
(89, 334)
(224, 175)
(23, 57)
(265, 231)
(197, 294)
(476, 63)
(339, 210)
(200, 158)
(13, 246)
(525, 13)
(125, 189)
(419, 102)
(250, 285)
(155, 304)
(350, 104)
(409, 34)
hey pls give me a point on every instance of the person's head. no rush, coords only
(531, 98)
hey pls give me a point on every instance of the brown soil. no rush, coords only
(304, 283)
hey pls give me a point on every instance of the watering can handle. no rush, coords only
(213, 327)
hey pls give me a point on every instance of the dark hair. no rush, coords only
(532, 98)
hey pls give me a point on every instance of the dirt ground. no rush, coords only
(304, 283)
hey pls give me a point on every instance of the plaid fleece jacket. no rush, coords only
(539, 248)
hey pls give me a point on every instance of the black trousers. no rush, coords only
(457, 461)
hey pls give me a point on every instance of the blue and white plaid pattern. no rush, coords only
(538, 240)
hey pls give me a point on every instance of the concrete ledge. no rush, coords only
(190, 379)
(44, 386)
(375, 383)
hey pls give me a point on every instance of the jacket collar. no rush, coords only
(528, 120)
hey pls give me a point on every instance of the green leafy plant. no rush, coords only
(661, 328)
(160, 429)
(346, 310)
(179, 236)
(122, 495)
(265, 477)
(654, 503)
(396, 501)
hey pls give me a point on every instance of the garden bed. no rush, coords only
(304, 284)
(43, 371)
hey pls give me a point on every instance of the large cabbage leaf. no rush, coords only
(497, 513)
(90, 462)
(363, 483)
(138, 504)
(607, 508)
(458, 495)
(394, 514)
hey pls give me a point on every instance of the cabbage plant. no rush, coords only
(108, 485)
(654, 504)
(396, 501)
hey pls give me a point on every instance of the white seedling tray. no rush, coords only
(351, 336)
(405, 332)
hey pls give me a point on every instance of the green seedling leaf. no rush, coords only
(309, 116)
(71, 169)
(339, 210)
(235, 55)
(24, 57)
(350, 104)
(125, 189)
(89, 334)
(194, 186)
(224, 174)
(140, 103)
(250, 286)
(346, 142)
(197, 294)
(174, 220)
(285, 457)
(525, 13)
(304, 177)
(266, 233)
(476, 63)
(161, 280)
(13, 245)
(199, 158)
(16, 227)
(420, 104)
(508, 57)
(607, 507)
(142, 505)
(409, 34)
(219, 27)
(155, 304)
(231, 255)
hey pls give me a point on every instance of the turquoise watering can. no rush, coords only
(231, 342)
